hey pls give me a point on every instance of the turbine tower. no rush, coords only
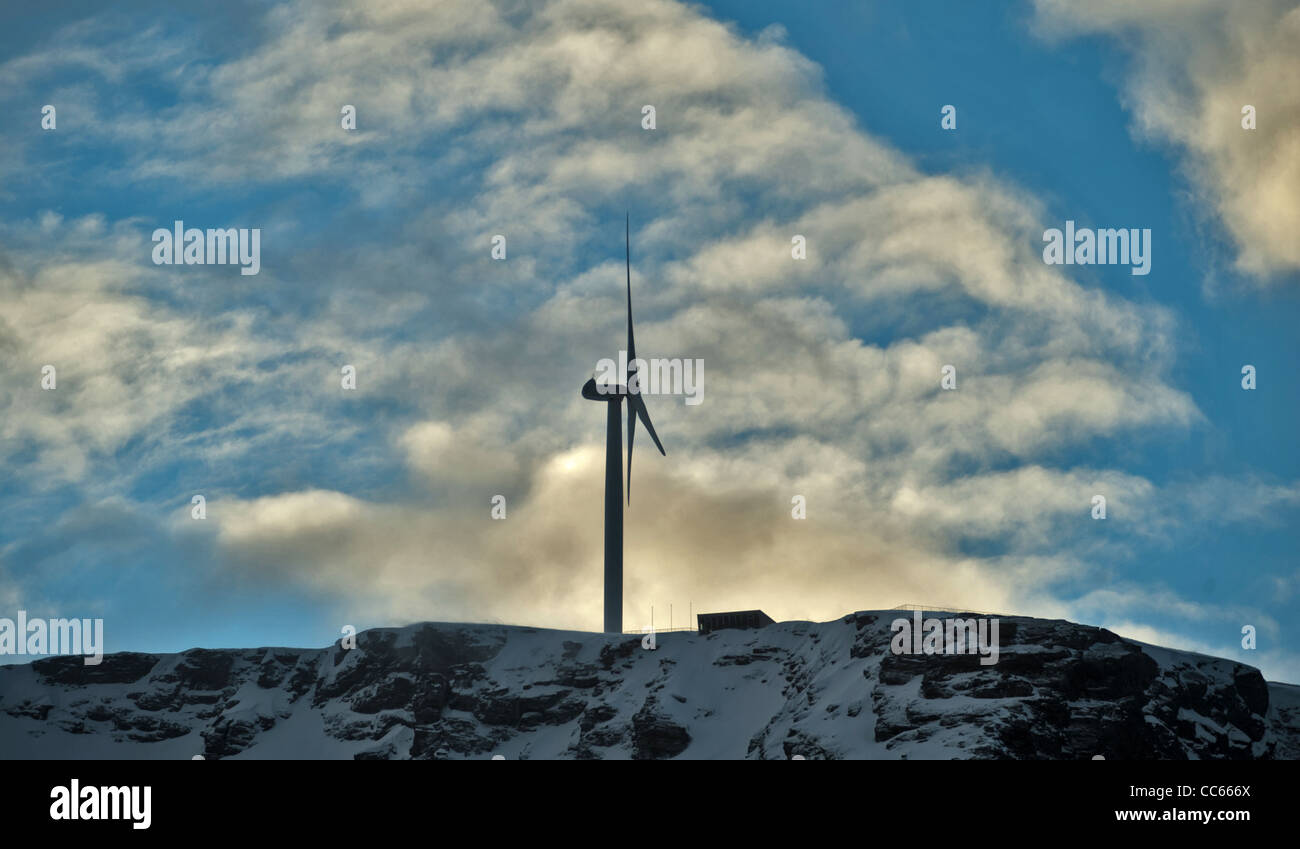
(613, 397)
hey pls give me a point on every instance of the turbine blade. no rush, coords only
(631, 353)
(637, 405)
(631, 435)
(631, 343)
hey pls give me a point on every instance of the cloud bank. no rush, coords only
(1194, 66)
(823, 375)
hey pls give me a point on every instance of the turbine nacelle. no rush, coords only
(593, 391)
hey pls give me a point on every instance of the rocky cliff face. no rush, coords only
(820, 690)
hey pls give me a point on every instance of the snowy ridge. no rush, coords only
(820, 690)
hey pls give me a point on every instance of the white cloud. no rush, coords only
(1194, 65)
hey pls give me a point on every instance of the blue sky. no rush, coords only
(328, 507)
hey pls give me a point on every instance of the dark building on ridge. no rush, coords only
(709, 622)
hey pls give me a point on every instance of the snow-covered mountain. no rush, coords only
(820, 690)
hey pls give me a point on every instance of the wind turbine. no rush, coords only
(614, 396)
